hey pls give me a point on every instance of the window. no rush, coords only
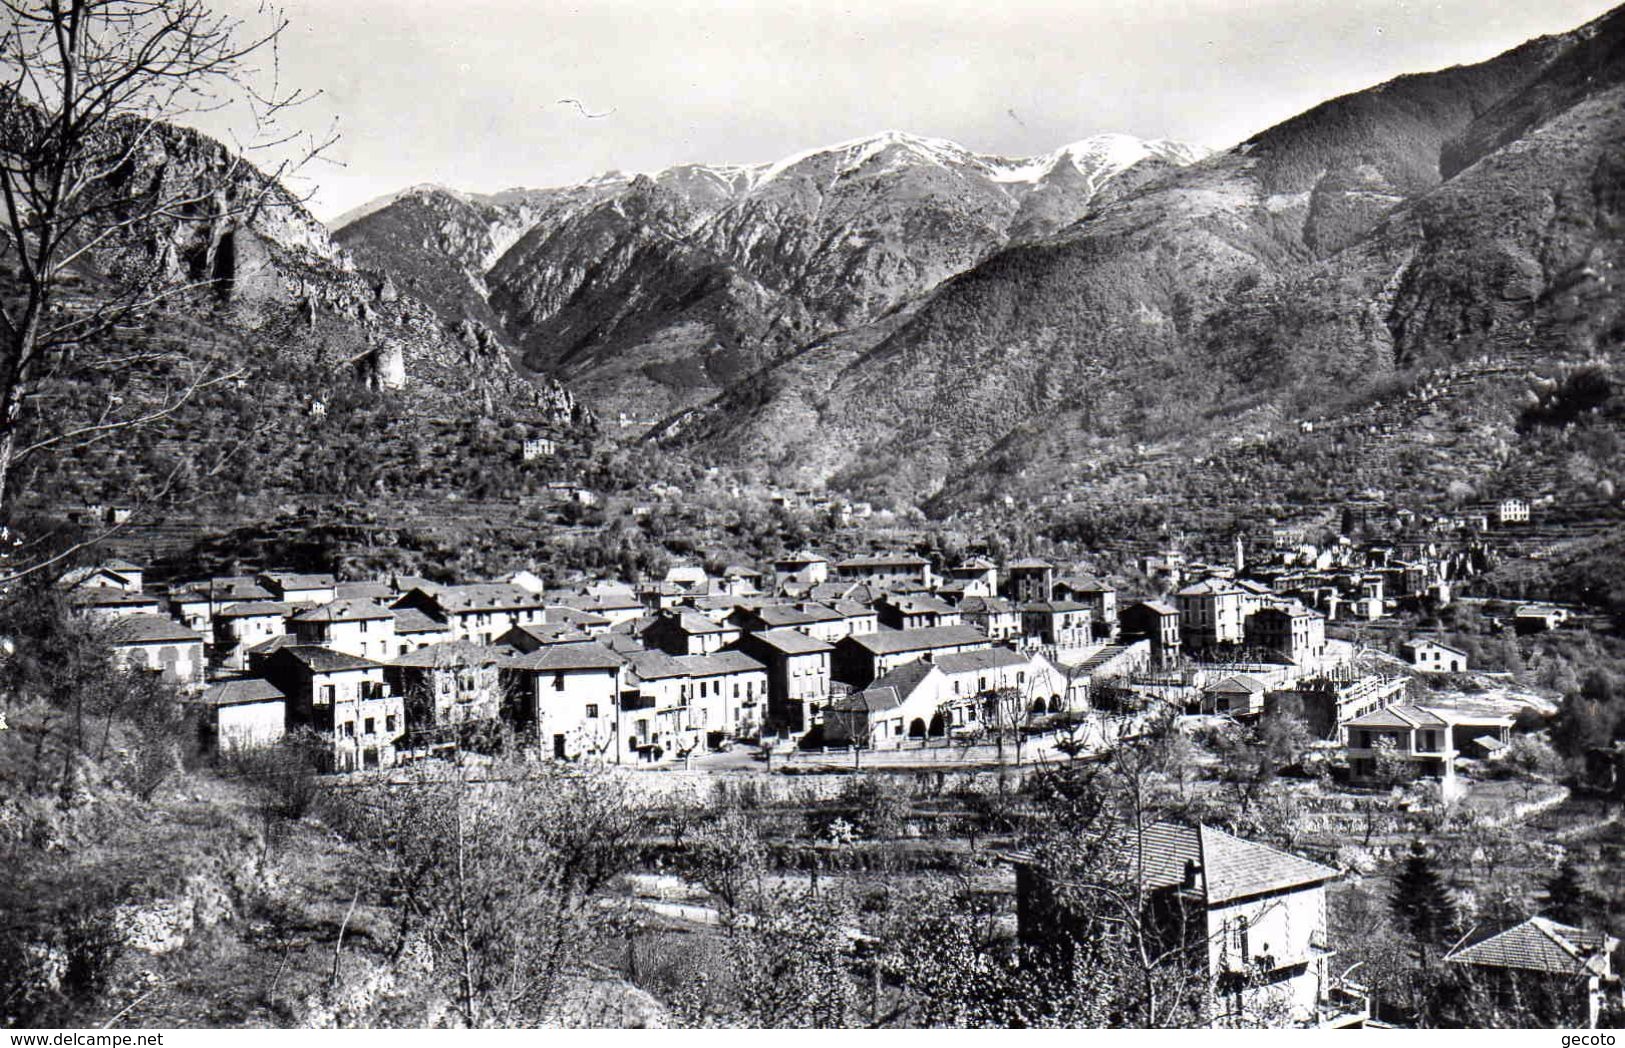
(368, 727)
(389, 723)
(364, 624)
(592, 711)
(1242, 943)
(349, 729)
(558, 682)
(329, 693)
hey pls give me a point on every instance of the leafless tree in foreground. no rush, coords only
(88, 91)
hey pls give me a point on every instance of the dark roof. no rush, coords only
(486, 596)
(290, 581)
(414, 620)
(251, 608)
(325, 660)
(902, 680)
(1210, 587)
(1029, 564)
(559, 657)
(870, 700)
(985, 606)
(1157, 606)
(108, 597)
(1083, 584)
(1540, 945)
(346, 611)
(919, 603)
(1052, 607)
(240, 692)
(227, 588)
(890, 642)
(271, 644)
(149, 629)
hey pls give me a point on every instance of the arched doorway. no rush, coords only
(938, 728)
(916, 730)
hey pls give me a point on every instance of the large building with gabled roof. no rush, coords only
(1252, 916)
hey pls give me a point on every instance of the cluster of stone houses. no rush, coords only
(880, 650)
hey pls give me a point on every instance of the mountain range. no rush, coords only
(652, 293)
(901, 315)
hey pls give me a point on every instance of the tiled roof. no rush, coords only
(1052, 607)
(1158, 606)
(241, 692)
(108, 597)
(870, 700)
(252, 608)
(1429, 642)
(300, 582)
(325, 660)
(1209, 588)
(552, 633)
(565, 615)
(589, 656)
(486, 596)
(690, 621)
(903, 679)
(1399, 716)
(656, 665)
(226, 589)
(891, 642)
(346, 611)
(920, 603)
(414, 620)
(719, 663)
(1538, 944)
(790, 642)
(1029, 564)
(1082, 584)
(271, 644)
(365, 591)
(885, 560)
(1231, 868)
(446, 653)
(150, 629)
(1239, 684)
(986, 606)
(974, 661)
(778, 616)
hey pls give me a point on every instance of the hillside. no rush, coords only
(320, 376)
(1378, 238)
(652, 293)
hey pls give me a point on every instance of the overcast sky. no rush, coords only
(465, 92)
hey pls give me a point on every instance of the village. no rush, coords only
(886, 661)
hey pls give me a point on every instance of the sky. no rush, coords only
(466, 93)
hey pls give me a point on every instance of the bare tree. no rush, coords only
(90, 90)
